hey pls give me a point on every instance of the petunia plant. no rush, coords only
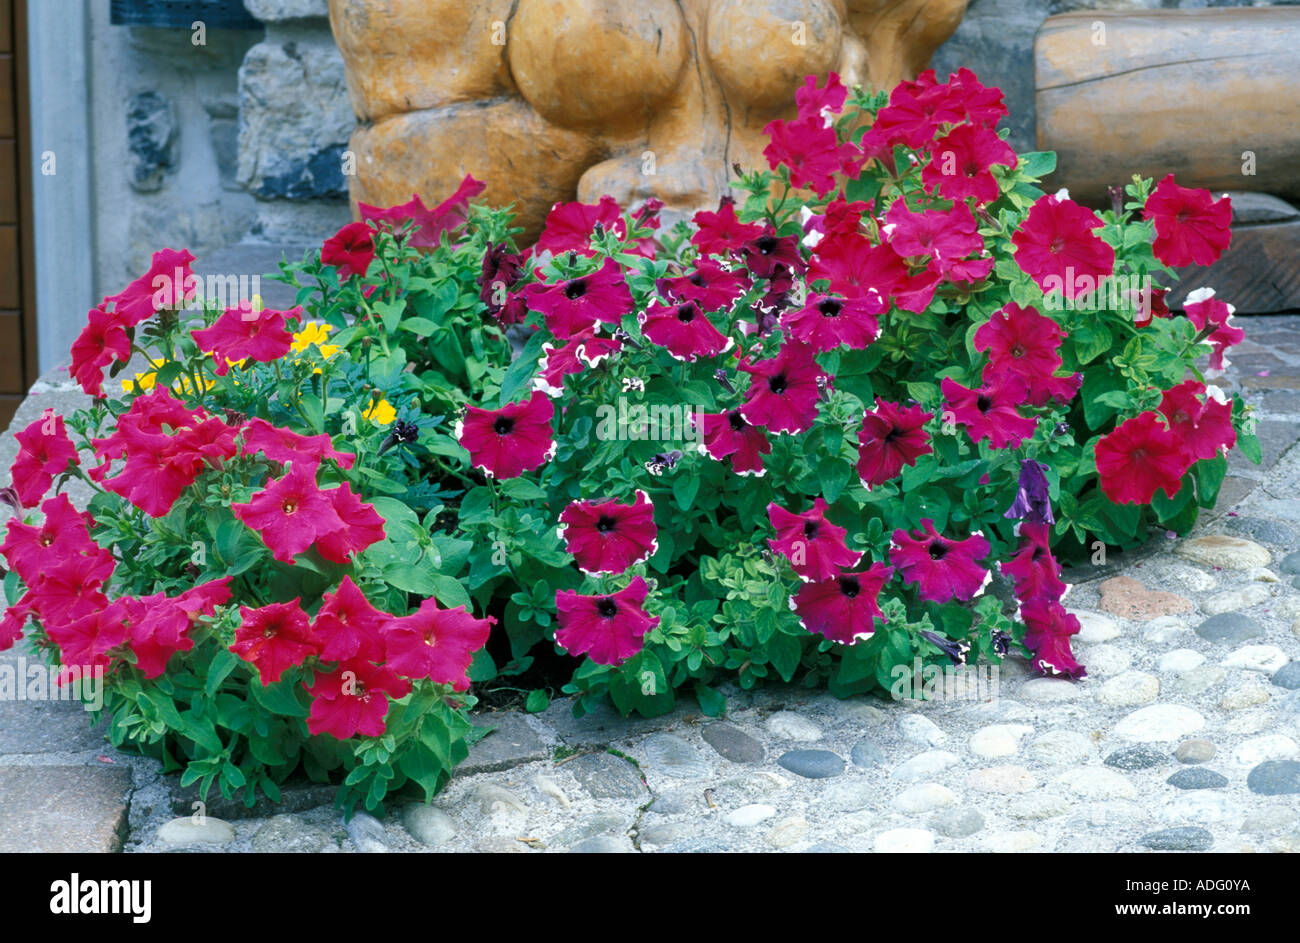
(847, 424)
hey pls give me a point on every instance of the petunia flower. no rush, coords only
(990, 412)
(44, 450)
(765, 252)
(586, 349)
(86, 641)
(843, 608)
(823, 103)
(1049, 628)
(362, 526)
(509, 441)
(607, 629)
(1057, 248)
(1204, 426)
(245, 334)
(347, 626)
(857, 269)
(942, 569)
(812, 151)
(274, 638)
(350, 250)
(684, 331)
(890, 438)
(961, 164)
(1022, 342)
(575, 305)
(944, 238)
(168, 284)
(430, 224)
(709, 284)
(100, 342)
(1213, 318)
(1139, 457)
(1033, 570)
(70, 589)
(721, 233)
(291, 513)
(353, 699)
(32, 549)
(435, 643)
(286, 446)
(827, 322)
(1032, 502)
(1192, 228)
(815, 547)
(569, 226)
(728, 435)
(608, 537)
(160, 626)
(783, 393)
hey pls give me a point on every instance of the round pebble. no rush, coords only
(1288, 677)
(867, 753)
(957, 822)
(1130, 689)
(788, 725)
(1275, 778)
(672, 756)
(1159, 722)
(1049, 690)
(812, 764)
(1003, 779)
(1180, 661)
(921, 729)
(1261, 749)
(428, 825)
(924, 798)
(732, 743)
(1138, 756)
(187, 831)
(998, 740)
(786, 833)
(1265, 658)
(1195, 751)
(1197, 777)
(1106, 660)
(749, 815)
(1095, 627)
(1229, 627)
(1096, 782)
(1061, 747)
(904, 841)
(924, 765)
(1011, 842)
(1164, 630)
(1178, 839)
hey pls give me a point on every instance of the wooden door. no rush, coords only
(17, 323)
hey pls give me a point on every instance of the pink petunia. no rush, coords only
(942, 569)
(608, 537)
(607, 629)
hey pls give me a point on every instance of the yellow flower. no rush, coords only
(380, 412)
(314, 332)
(143, 382)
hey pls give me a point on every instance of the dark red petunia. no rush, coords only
(1204, 426)
(782, 395)
(274, 638)
(347, 626)
(1192, 228)
(353, 699)
(961, 164)
(1139, 457)
(577, 304)
(350, 250)
(942, 569)
(44, 450)
(291, 514)
(435, 643)
(1049, 628)
(100, 342)
(1033, 570)
(244, 334)
(607, 629)
(765, 253)
(710, 285)
(430, 224)
(815, 547)
(608, 537)
(890, 438)
(827, 322)
(509, 441)
(684, 331)
(990, 412)
(586, 349)
(843, 608)
(1055, 246)
(721, 233)
(857, 269)
(727, 434)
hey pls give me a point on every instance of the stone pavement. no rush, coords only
(1185, 735)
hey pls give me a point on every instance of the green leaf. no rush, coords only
(537, 701)
(712, 702)
(223, 662)
(685, 487)
(520, 373)
(1037, 163)
(1090, 341)
(279, 698)
(1250, 447)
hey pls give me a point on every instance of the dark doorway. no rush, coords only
(17, 311)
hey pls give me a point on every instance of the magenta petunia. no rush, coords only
(348, 626)
(586, 349)
(353, 699)
(1019, 340)
(102, 341)
(709, 284)
(509, 441)
(608, 537)
(577, 304)
(815, 547)
(728, 435)
(44, 450)
(942, 569)
(825, 102)
(362, 526)
(990, 412)
(1192, 228)
(570, 226)
(160, 626)
(684, 331)
(244, 334)
(720, 233)
(1049, 627)
(783, 393)
(812, 151)
(274, 638)
(1204, 426)
(167, 284)
(764, 254)
(1139, 457)
(31, 549)
(1033, 570)
(843, 608)
(827, 322)
(291, 514)
(607, 629)
(285, 446)
(430, 224)
(961, 164)
(1056, 247)
(435, 643)
(1213, 318)
(890, 438)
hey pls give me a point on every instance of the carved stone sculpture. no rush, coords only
(545, 100)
